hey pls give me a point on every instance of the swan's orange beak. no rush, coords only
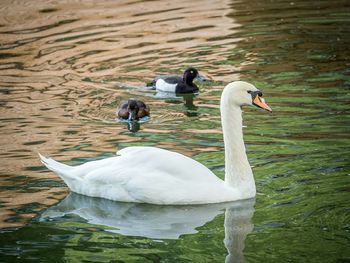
(260, 102)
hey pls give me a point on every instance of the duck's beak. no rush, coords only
(260, 102)
(132, 115)
(200, 78)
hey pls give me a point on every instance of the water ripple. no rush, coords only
(65, 67)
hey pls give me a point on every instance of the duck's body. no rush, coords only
(177, 84)
(170, 78)
(179, 87)
(133, 110)
(157, 176)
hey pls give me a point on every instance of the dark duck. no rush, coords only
(132, 110)
(177, 84)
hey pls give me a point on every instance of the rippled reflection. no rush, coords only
(151, 221)
(157, 222)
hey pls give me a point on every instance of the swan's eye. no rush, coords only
(249, 91)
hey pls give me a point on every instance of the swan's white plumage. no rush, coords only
(147, 175)
(158, 176)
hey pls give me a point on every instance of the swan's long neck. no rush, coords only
(238, 173)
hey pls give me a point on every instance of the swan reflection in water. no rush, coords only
(160, 222)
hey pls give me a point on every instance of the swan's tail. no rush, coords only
(62, 170)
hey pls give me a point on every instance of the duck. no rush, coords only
(178, 84)
(132, 110)
(144, 174)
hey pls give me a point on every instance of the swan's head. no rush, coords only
(243, 93)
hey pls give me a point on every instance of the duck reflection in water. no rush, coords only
(175, 98)
(191, 109)
(133, 126)
(159, 222)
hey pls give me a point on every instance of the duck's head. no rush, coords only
(244, 93)
(133, 109)
(190, 74)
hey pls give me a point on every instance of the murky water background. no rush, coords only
(65, 66)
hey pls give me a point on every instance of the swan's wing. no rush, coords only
(149, 174)
(138, 161)
(152, 159)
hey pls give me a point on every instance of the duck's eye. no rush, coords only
(191, 72)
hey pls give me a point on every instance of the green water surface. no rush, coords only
(296, 52)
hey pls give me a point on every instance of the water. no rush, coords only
(66, 66)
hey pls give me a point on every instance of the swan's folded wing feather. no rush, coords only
(164, 161)
(145, 174)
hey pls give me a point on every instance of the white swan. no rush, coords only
(157, 176)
